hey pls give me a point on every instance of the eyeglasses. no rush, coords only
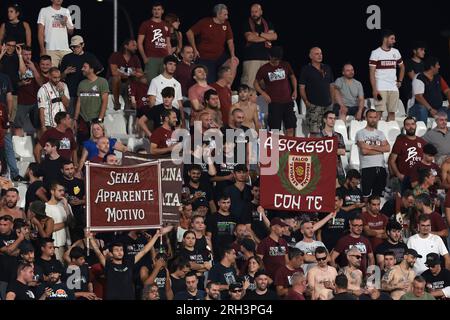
(321, 259)
(357, 257)
(237, 291)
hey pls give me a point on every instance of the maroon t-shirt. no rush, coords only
(283, 276)
(420, 165)
(183, 74)
(138, 90)
(276, 81)
(273, 254)
(294, 295)
(66, 139)
(118, 59)
(97, 159)
(211, 38)
(27, 94)
(375, 223)
(409, 152)
(161, 137)
(225, 101)
(347, 242)
(155, 43)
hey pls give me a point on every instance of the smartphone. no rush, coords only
(379, 97)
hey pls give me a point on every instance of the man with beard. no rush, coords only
(124, 67)
(351, 194)
(372, 145)
(406, 152)
(308, 245)
(183, 73)
(374, 222)
(92, 100)
(391, 244)
(20, 288)
(10, 205)
(398, 280)
(353, 273)
(283, 277)
(53, 97)
(161, 141)
(52, 164)
(191, 292)
(438, 279)
(259, 34)
(71, 67)
(166, 79)
(76, 196)
(212, 291)
(199, 188)
(383, 64)
(242, 137)
(212, 106)
(402, 209)
(197, 92)
(155, 113)
(262, 291)
(239, 193)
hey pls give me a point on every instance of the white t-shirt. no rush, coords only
(425, 246)
(58, 213)
(45, 96)
(159, 83)
(56, 37)
(386, 63)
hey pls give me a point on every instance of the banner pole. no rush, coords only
(88, 207)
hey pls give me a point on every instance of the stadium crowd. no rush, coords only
(387, 238)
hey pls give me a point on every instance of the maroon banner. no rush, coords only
(304, 175)
(123, 198)
(171, 183)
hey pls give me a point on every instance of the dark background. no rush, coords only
(338, 27)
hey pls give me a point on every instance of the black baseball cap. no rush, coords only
(235, 286)
(432, 260)
(261, 273)
(413, 253)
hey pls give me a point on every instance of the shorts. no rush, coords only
(314, 117)
(373, 181)
(153, 68)
(25, 117)
(388, 102)
(282, 113)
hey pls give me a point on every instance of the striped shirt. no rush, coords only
(386, 63)
(46, 94)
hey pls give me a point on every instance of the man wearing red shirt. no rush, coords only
(183, 73)
(280, 91)
(212, 34)
(274, 249)
(428, 157)
(374, 222)
(161, 143)
(299, 284)
(223, 87)
(154, 42)
(406, 153)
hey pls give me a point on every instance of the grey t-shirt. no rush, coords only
(375, 137)
(350, 92)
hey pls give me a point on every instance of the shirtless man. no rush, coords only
(321, 277)
(445, 183)
(250, 108)
(212, 104)
(10, 205)
(354, 275)
(398, 280)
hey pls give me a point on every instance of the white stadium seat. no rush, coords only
(355, 126)
(340, 127)
(390, 129)
(421, 128)
(354, 157)
(22, 188)
(111, 103)
(23, 148)
(116, 125)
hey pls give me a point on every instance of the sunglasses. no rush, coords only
(237, 291)
(357, 257)
(357, 225)
(321, 259)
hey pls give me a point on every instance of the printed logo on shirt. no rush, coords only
(60, 293)
(58, 20)
(360, 246)
(224, 28)
(64, 144)
(278, 74)
(412, 157)
(30, 294)
(229, 277)
(158, 39)
(76, 190)
(277, 251)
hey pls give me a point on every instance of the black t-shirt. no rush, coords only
(410, 65)
(398, 249)
(293, 238)
(51, 170)
(75, 188)
(60, 291)
(252, 295)
(10, 67)
(334, 229)
(351, 197)
(72, 60)
(7, 262)
(317, 84)
(258, 226)
(155, 114)
(389, 209)
(224, 169)
(31, 196)
(240, 201)
(177, 285)
(119, 280)
(344, 296)
(240, 140)
(222, 229)
(206, 189)
(48, 266)
(132, 248)
(441, 281)
(22, 291)
(186, 296)
(78, 277)
(223, 275)
(256, 51)
(160, 281)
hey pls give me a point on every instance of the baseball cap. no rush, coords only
(432, 259)
(261, 273)
(76, 41)
(277, 221)
(413, 253)
(235, 286)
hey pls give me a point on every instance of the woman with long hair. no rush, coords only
(176, 37)
(15, 28)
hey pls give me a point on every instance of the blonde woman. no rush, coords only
(90, 149)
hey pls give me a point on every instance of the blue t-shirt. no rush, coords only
(92, 149)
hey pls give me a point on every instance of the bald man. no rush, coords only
(259, 34)
(316, 89)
